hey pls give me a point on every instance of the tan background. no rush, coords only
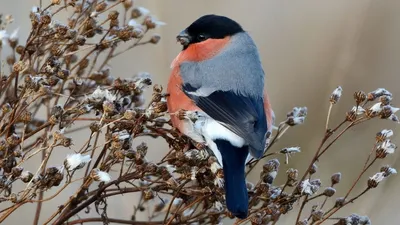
(307, 49)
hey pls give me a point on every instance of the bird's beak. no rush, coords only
(183, 38)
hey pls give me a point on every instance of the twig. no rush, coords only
(337, 208)
(118, 221)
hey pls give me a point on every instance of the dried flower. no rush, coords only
(375, 110)
(313, 169)
(378, 93)
(296, 116)
(317, 215)
(358, 110)
(13, 39)
(354, 112)
(16, 171)
(309, 187)
(385, 148)
(76, 161)
(195, 154)
(59, 134)
(393, 118)
(219, 179)
(139, 12)
(355, 219)
(335, 178)
(215, 166)
(13, 140)
(383, 135)
(218, 206)
(375, 180)
(151, 22)
(385, 99)
(289, 151)
(292, 174)
(121, 135)
(387, 111)
(99, 175)
(155, 39)
(66, 142)
(360, 97)
(101, 95)
(14, 198)
(302, 222)
(336, 94)
(388, 170)
(269, 177)
(293, 121)
(128, 4)
(6, 108)
(340, 202)
(148, 194)
(329, 191)
(271, 165)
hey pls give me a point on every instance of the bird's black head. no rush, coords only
(208, 26)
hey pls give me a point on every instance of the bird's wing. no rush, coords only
(244, 116)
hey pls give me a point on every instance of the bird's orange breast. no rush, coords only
(177, 100)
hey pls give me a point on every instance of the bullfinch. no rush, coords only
(218, 78)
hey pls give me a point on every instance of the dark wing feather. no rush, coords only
(245, 116)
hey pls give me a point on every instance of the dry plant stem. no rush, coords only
(92, 153)
(318, 154)
(65, 205)
(305, 200)
(170, 204)
(331, 212)
(9, 211)
(323, 203)
(63, 218)
(329, 116)
(359, 176)
(116, 221)
(139, 204)
(324, 139)
(58, 191)
(44, 162)
(39, 204)
(198, 200)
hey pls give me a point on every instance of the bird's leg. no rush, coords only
(199, 145)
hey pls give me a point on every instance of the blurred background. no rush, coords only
(307, 48)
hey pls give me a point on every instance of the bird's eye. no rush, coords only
(201, 37)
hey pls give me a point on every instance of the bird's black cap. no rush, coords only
(208, 26)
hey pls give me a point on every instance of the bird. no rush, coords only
(218, 78)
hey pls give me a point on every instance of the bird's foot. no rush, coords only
(182, 114)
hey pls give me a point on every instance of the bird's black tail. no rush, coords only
(233, 160)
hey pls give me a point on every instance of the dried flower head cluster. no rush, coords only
(58, 82)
